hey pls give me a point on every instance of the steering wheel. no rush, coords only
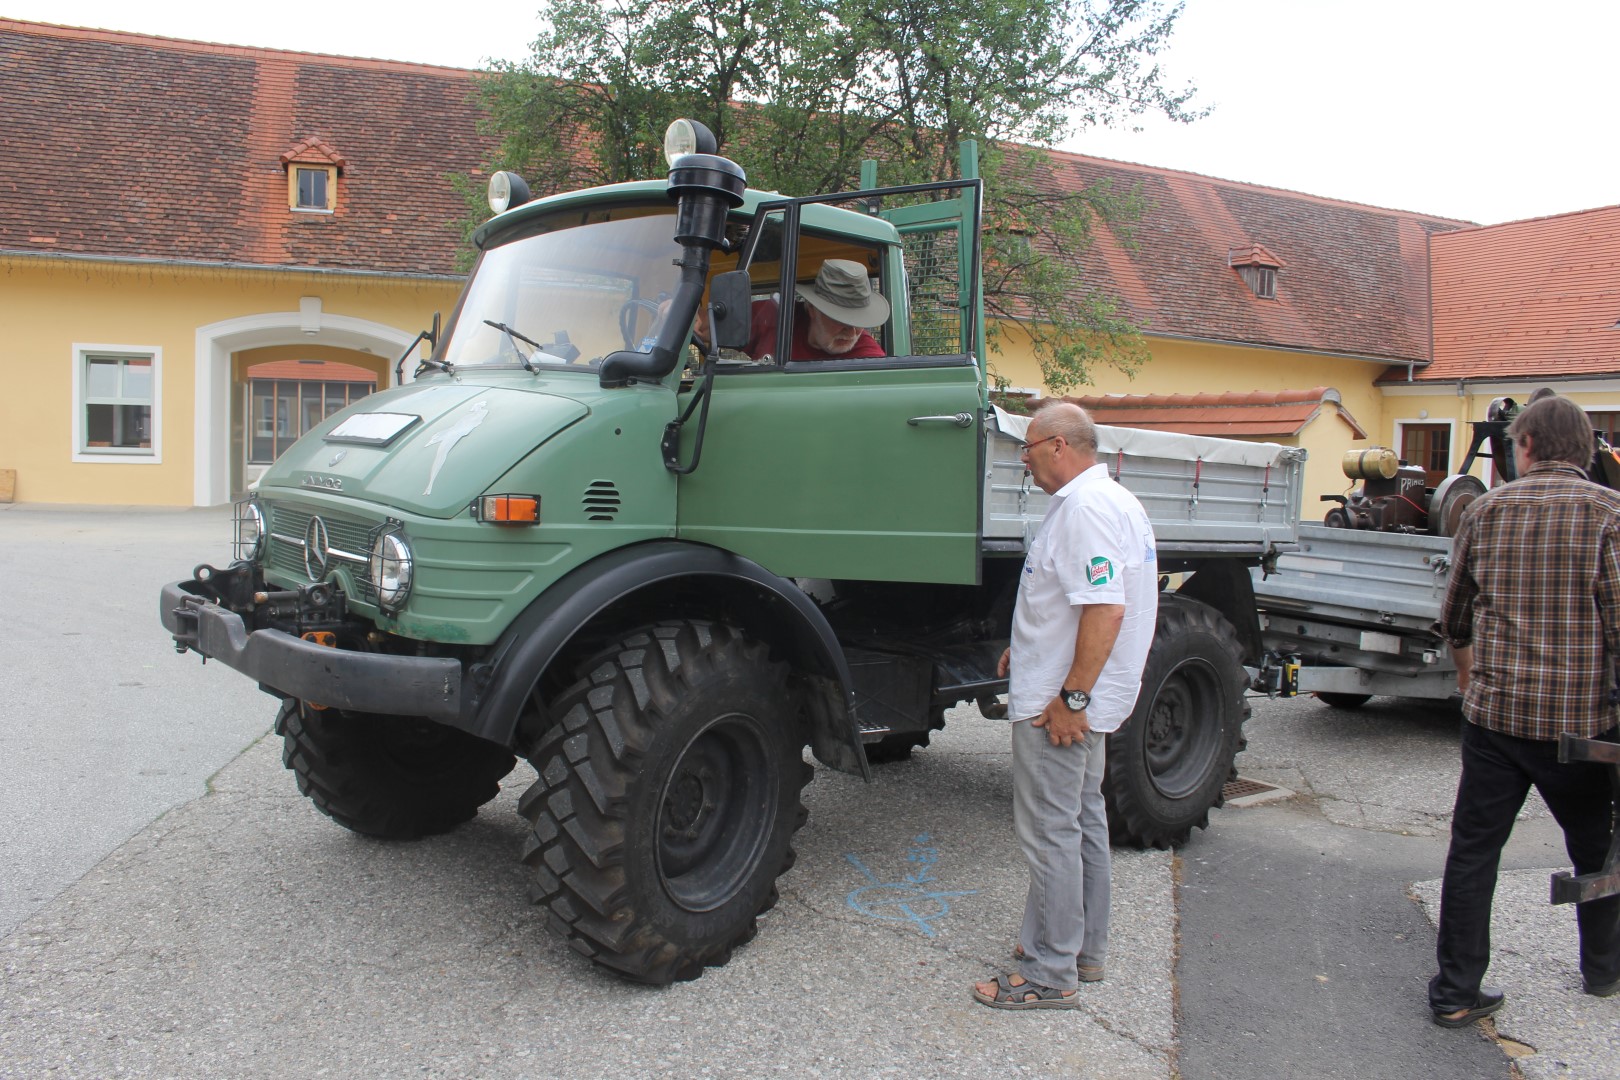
(627, 320)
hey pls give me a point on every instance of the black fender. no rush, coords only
(1225, 585)
(719, 584)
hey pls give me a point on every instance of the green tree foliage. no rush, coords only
(801, 91)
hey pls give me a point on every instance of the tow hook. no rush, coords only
(325, 638)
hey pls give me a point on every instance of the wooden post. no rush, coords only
(8, 485)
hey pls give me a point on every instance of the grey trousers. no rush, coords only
(1062, 826)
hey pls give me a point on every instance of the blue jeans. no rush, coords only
(1497, 771)
(1062, 826)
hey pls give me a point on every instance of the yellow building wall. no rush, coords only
(47, 307)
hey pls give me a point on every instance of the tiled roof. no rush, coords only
(1527, 299)
(1252, 255)
(1354, 278)
(314, 151)
(123, 145)
(1260, 413)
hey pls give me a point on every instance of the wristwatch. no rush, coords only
(1076, 700)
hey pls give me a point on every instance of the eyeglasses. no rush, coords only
(1027, 447)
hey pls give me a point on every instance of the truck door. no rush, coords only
(852, 468)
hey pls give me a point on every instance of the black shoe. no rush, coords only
(1608, 989)
(1488, 1001)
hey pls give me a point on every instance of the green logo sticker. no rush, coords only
(1100, 572)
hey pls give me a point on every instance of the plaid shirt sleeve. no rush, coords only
(1608, 590)
(1456, 624)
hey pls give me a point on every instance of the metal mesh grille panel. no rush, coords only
(934, 277)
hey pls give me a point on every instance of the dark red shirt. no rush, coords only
(762, 336)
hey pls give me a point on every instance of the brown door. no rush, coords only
(1428, 445)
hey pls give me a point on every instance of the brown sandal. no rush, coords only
(1027, 995)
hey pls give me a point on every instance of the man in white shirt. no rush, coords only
(1087, 600)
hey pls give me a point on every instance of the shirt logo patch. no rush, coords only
(1100, 571)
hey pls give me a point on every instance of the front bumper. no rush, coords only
(363, 682)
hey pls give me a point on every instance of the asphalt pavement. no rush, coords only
(170, 906)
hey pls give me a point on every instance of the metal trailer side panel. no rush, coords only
(1203, 495)
(1356, 608)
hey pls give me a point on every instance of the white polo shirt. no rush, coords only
(1095, 546)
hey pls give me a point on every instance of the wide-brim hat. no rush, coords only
(842, 292)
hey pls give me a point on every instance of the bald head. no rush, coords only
(1068, 420)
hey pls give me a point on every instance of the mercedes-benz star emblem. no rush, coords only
(316, 556)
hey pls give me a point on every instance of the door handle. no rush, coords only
(961, 419)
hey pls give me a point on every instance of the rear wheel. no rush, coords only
(667, 799)
(394, 777)
(1168, 763)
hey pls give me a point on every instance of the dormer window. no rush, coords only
(1258, 269)
(312, 188)
(313, 167)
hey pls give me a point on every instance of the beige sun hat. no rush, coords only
(842, 292)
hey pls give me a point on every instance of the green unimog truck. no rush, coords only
(659, 572)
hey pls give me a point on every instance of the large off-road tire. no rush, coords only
(898, 747)
(667, 800)
(1168, 763)
(394, 777)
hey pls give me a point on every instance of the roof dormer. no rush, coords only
(1257, 267)
(313, 167)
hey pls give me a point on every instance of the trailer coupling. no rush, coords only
(1277, 675)
(1566, 887)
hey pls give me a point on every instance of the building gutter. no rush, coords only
(203, 264)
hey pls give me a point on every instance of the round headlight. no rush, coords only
(391, 570)
(247, 528)
(687, 137)
(506, 190)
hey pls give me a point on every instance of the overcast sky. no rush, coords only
(1485, 110)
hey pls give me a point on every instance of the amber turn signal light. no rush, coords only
(508, 509)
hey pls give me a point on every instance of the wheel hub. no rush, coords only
(717, 813)
(1179, 741)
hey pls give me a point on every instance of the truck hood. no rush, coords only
(426, 449)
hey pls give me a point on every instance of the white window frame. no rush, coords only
(83, 353)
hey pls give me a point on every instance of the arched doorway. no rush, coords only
(217, 394)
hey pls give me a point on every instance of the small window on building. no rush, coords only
(116, 396)
(1265, 282)
(312, 189)
(1258, 269)
(313, 168)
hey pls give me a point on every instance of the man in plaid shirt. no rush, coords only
(1532, 614)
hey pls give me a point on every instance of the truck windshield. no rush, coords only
(568, 289)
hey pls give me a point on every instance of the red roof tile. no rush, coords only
(1253, 255)
(181, 157)
(124, 145)
(1527, 299)
(1277, 414)
(314, 151)
(1355, 281)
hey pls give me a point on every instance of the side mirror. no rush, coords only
(730, 311)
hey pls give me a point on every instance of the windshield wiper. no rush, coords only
(516, 337)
